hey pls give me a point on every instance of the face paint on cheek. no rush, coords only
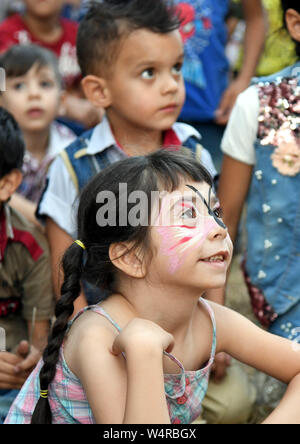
(180, 241)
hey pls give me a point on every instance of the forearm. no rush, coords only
(146, 401)
(288, 411)
(26, 208)
(254, 38)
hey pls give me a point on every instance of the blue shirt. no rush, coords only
(206, 68)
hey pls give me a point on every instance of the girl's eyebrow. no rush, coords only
(182, 200)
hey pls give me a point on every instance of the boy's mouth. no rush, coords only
(169, 108)
(35, 112)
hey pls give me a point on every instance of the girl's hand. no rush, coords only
(142, 334)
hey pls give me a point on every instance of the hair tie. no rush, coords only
(81, 244)
(44, 394)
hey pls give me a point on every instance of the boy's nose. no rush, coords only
(33, 90)
(170, 85)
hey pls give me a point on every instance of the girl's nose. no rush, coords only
(216, 231)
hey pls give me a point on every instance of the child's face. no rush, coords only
(146, 85)
(33, 99)
(191, 244)
(44, 8)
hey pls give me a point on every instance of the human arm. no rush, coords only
(253, 46)
(134, 386)
(81, 110)
(25, 207)
(57, 207)
(268, 353)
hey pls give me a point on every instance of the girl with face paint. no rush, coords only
(144, 354)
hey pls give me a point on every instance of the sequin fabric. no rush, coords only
(279, 123)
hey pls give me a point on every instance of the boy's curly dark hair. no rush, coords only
(107, 22)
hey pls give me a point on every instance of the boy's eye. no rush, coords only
(177, 69)
(18, 86)
(148, 74)
(46, 83)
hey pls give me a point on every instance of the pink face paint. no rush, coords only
(179, 241)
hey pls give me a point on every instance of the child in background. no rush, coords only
(262, 161)
(32, 95)
(25, 278)
(171, 250)
(142, 102)
(41, 24)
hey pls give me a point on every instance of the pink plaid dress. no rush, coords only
(184, 391)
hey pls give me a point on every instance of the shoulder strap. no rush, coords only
(96, 309)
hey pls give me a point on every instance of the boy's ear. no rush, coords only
(127, 260)
(293, 23)
(96, 91)
(9, 184)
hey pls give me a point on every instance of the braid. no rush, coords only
(70, 290)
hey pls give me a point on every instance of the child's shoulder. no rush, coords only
(11, 23)
(89, 332)
(27, 234)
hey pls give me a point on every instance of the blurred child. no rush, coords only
(141, 90)
(32, 95)
(112, 364)
(262, 162)
(42, 24)
(25, 278)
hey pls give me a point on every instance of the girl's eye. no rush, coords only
(190, 213)
(218, 212)
(148, 74)
(177, 69)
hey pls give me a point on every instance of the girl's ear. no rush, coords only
(292, 18)
(96, 91)
(127, 259)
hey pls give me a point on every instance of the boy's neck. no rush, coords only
(48, 30)
(37, 143)
(136, 141)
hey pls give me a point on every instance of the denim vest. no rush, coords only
(273, 210)
(83, 166)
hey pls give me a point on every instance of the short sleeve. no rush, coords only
(241, 132)
(59, 200)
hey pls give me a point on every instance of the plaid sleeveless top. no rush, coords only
(69, 405)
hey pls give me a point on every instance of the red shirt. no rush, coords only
(14, 31)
